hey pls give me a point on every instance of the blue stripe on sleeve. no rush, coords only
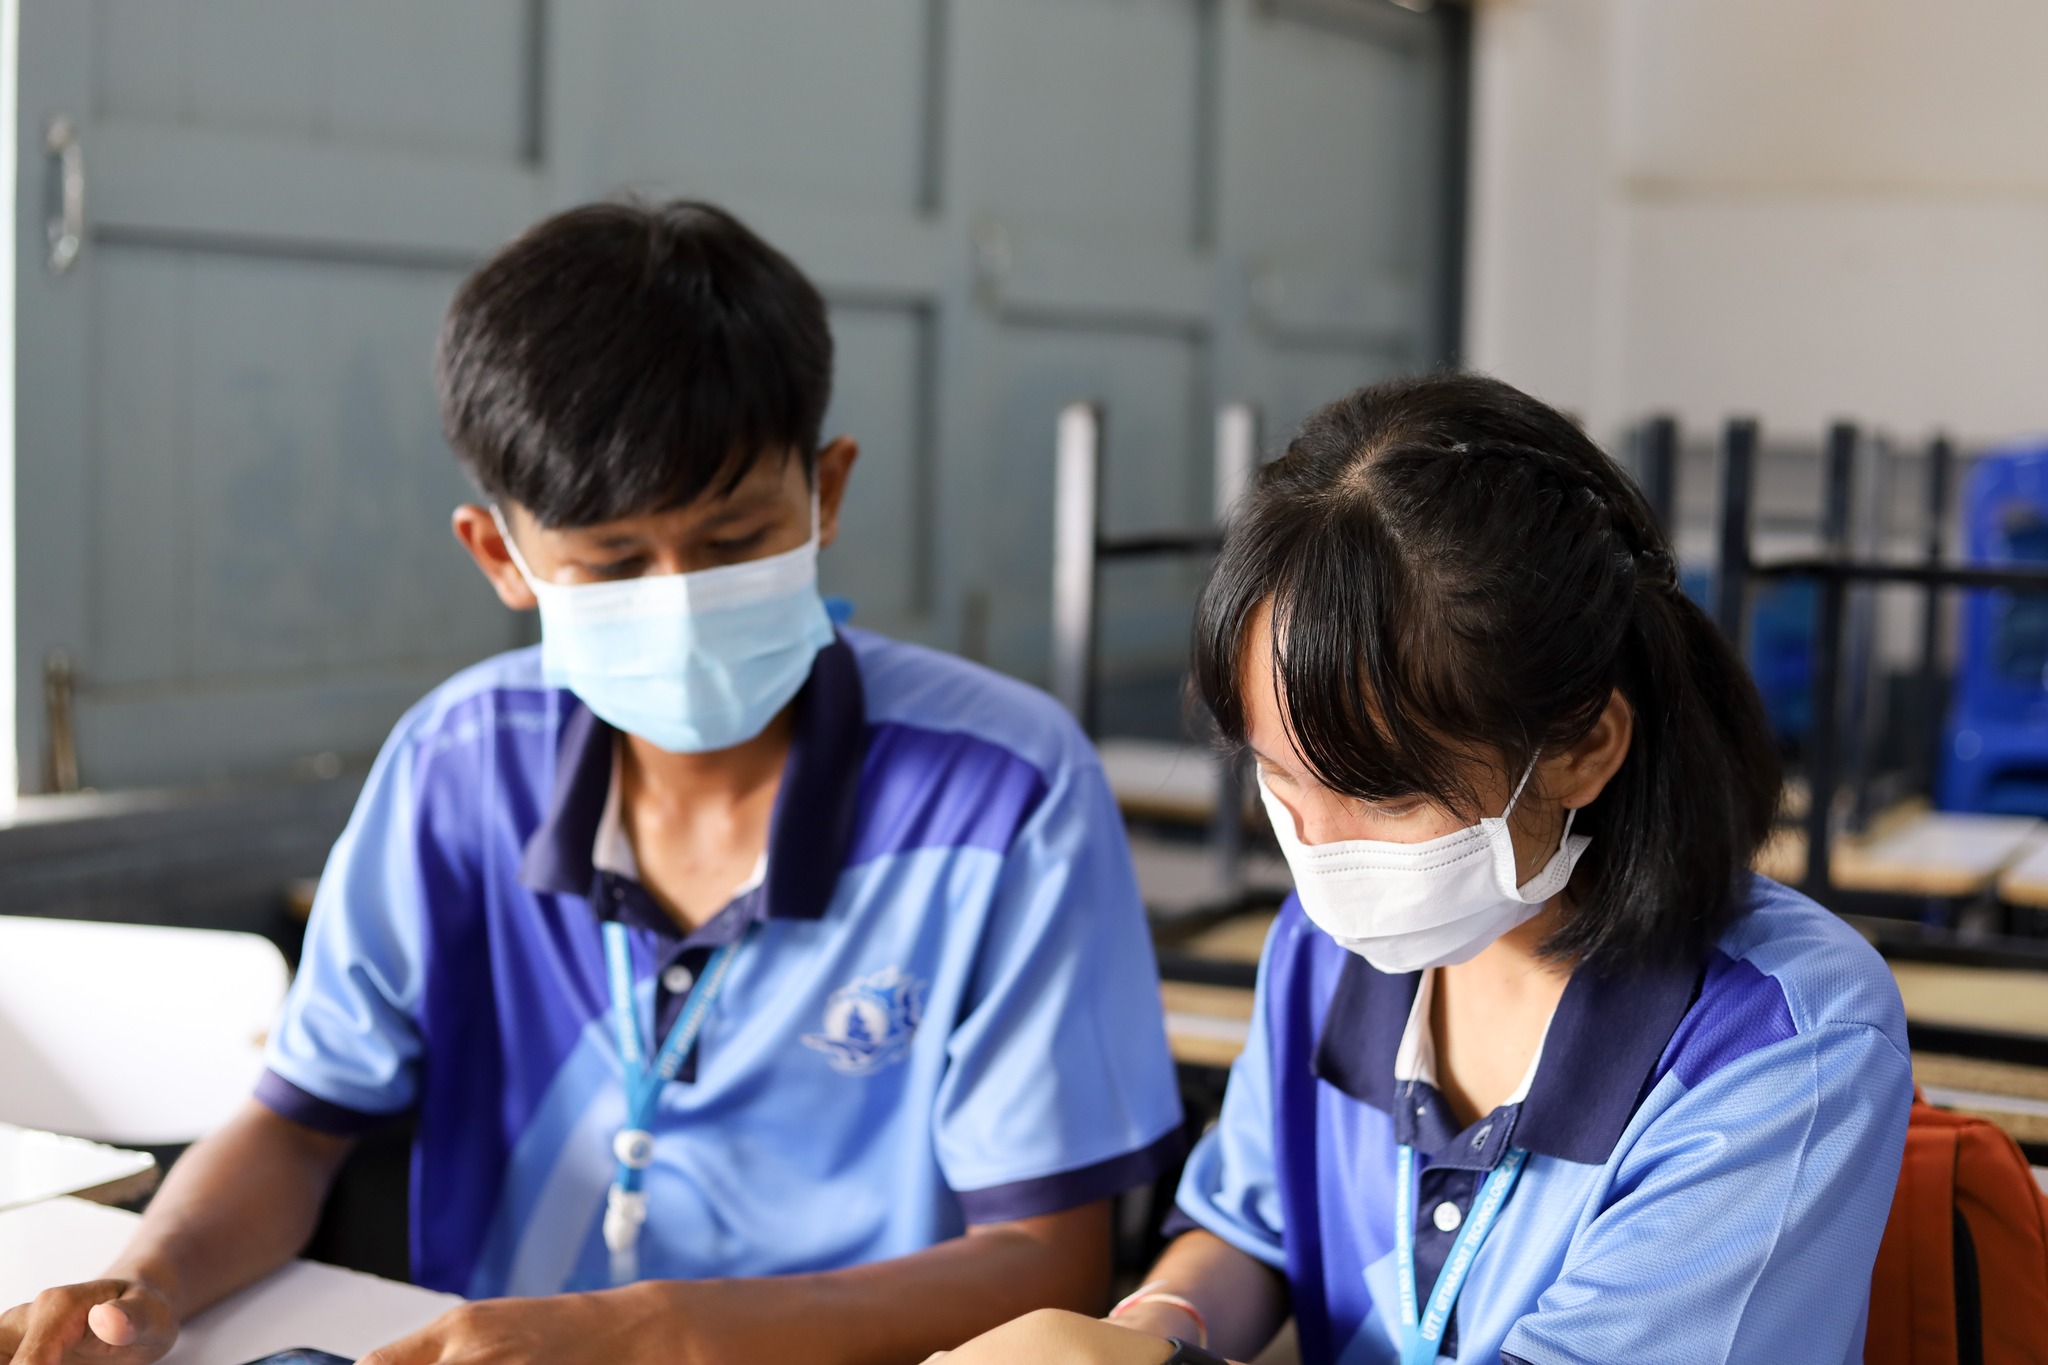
(1071, 1189)
(308, 1110)
(940, 789)
(1739, 1011)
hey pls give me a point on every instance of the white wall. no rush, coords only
(10, 113)
(1801, 209)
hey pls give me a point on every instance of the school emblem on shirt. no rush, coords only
(869, 1022)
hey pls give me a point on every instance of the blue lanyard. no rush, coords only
(1419, 1338)
(633, 1148)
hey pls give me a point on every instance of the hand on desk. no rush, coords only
(104, 1322)
(562, 1327)
(1052, 1337)
(706, 1322)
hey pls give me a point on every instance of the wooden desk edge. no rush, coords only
(1898, 880)
(2022, 887)
(1207, 1052)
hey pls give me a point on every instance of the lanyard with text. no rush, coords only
(625, 1210)
(1422, 1331)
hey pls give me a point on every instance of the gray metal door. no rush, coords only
(232, 494)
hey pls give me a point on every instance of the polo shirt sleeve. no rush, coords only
(1059, 1089)
(344, 1056)
(1747, 1215)
(1230, 1186)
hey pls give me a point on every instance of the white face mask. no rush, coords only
(1407, 907)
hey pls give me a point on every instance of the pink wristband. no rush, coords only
(1157, 1292)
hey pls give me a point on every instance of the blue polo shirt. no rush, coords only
(1713, 1152)
(943, 1009)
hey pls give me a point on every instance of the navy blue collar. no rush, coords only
(809, 834)
(1598, 1061)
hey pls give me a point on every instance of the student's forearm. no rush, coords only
(904, 1309)
(235, 1207)
(1241, 1300)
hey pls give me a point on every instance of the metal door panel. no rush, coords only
(882, 398)
(249, 191)
(272, 495)
(235, 413)
(217, 84)
(816, 98)
(53, 510)
(1049, 275)
(448, 76)
(1091, 116)
(1345, 235)
(1009, 205)
(1342, 105)
(140, 586)
(321, 484)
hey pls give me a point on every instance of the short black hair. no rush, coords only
(624, 358)
(1455, 569)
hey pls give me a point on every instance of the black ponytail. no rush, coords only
(1454, 568)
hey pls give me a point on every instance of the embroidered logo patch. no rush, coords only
(869, 1023)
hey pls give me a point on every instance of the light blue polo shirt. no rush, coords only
(1713, 1152)
(943, 1009)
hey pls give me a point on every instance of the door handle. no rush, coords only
(66, 225)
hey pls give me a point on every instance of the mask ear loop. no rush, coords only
(512, 548)
(1527, 773)
(1571, 812)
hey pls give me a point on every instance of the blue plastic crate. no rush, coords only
(1995, 751)
(1780, 648)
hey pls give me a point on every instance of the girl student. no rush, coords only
(1539, 1071)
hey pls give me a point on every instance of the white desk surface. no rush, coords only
(66, 1240)
(36, 1166)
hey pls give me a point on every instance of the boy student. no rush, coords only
(764, 991)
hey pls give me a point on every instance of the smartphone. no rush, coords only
(303, 1355)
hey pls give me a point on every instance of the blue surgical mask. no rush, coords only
(689, 662)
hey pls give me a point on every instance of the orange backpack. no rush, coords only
(1962, 1275)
